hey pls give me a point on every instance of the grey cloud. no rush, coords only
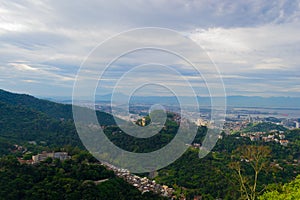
(56, 36)
(178, 14)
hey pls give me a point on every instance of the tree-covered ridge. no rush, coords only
(289, 191)
(51, 109)
(24, 118)
(76, 178)
(210, 177)
(21, 124)
(143, 145)
(54, 110)
(214, 177)
(264, 127)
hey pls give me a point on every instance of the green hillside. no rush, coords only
(51, 109)
(49, 126)
(70, 179)
(264, 127)
(24, 118)
(20, 124)
(287, 191)
(54, 110)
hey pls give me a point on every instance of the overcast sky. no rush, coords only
(255, 44)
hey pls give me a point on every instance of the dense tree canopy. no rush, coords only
(288, 191)
(70, 179)
(24, 118)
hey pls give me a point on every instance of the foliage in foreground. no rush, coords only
(288, 191)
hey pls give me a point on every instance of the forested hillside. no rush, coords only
(21, 124)
(51, 109)
(77, 178)
(24, 118)
(25, 121)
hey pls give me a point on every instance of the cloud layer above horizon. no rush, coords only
(255, 44)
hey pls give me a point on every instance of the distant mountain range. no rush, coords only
(232, 101)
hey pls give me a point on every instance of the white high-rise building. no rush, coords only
(296, 124)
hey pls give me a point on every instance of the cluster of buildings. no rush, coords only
(202, 122)
(194, 145)
(143, 184)
(291, 123)
(55, 155)
(271, 136)
(236, 122)
(230, 127)
(44, 155)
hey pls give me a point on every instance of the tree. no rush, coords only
(288, 191)
(255, 157)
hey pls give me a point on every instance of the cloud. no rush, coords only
(246, 55)
(30, 81)
(250, 41)
(39, 72)
(22, 67)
